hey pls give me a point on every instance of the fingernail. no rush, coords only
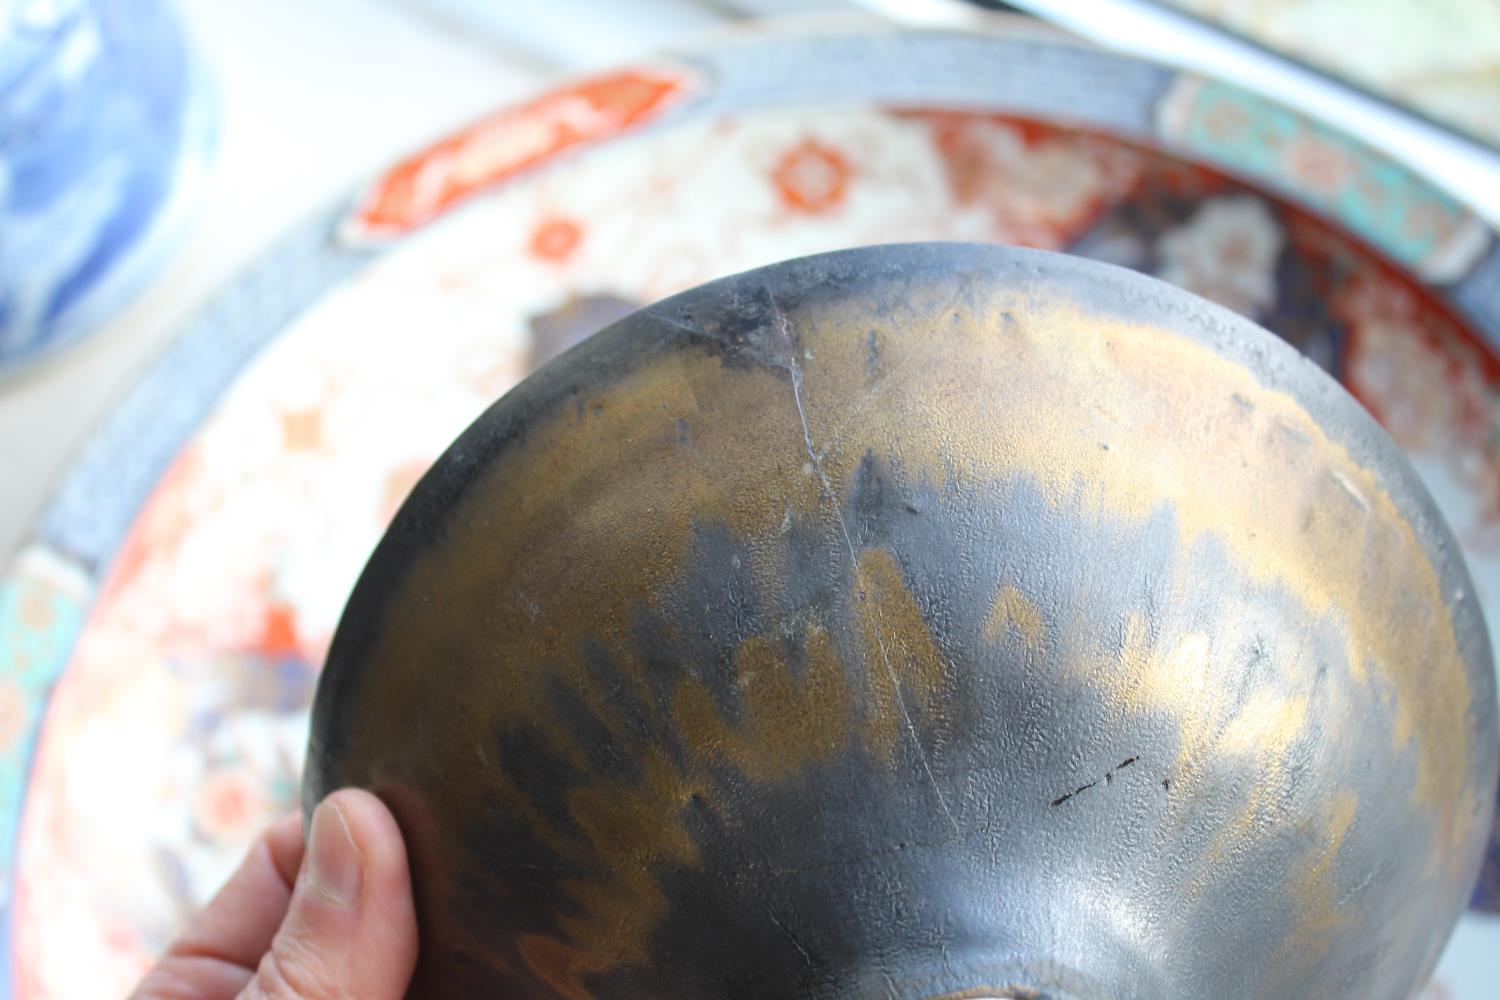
(334, 866)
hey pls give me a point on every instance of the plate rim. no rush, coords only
(69, 548)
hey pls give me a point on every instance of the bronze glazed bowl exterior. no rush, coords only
(922, 621)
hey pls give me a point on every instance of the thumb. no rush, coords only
(351, 929)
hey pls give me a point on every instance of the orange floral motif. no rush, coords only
(229, 804)
(36, 609)
(1226, 120)
(302, 430)
(1318, 165)
(1425, 222)
(278, 635)
(1226, 252)
(512, 141)
(1040, 186)
(1402, 347)
(556, 239)
(812, 178)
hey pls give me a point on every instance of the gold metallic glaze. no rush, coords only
(630, 829)
(1012, 610)
(1187, 430)
(789, 722)
(590, 516)
(1316, 890)
(904, 669)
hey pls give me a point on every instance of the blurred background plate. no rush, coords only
(1441, 58)
(160, 634)
(105, 127)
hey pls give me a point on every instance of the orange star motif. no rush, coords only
(812, 178)
(302, 430)
(279, 631)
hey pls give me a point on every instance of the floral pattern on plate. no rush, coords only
(176, 730)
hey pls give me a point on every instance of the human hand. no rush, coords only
(332, 920)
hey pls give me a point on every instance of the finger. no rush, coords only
(216, 956)
(238, 925)
(351, 929)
